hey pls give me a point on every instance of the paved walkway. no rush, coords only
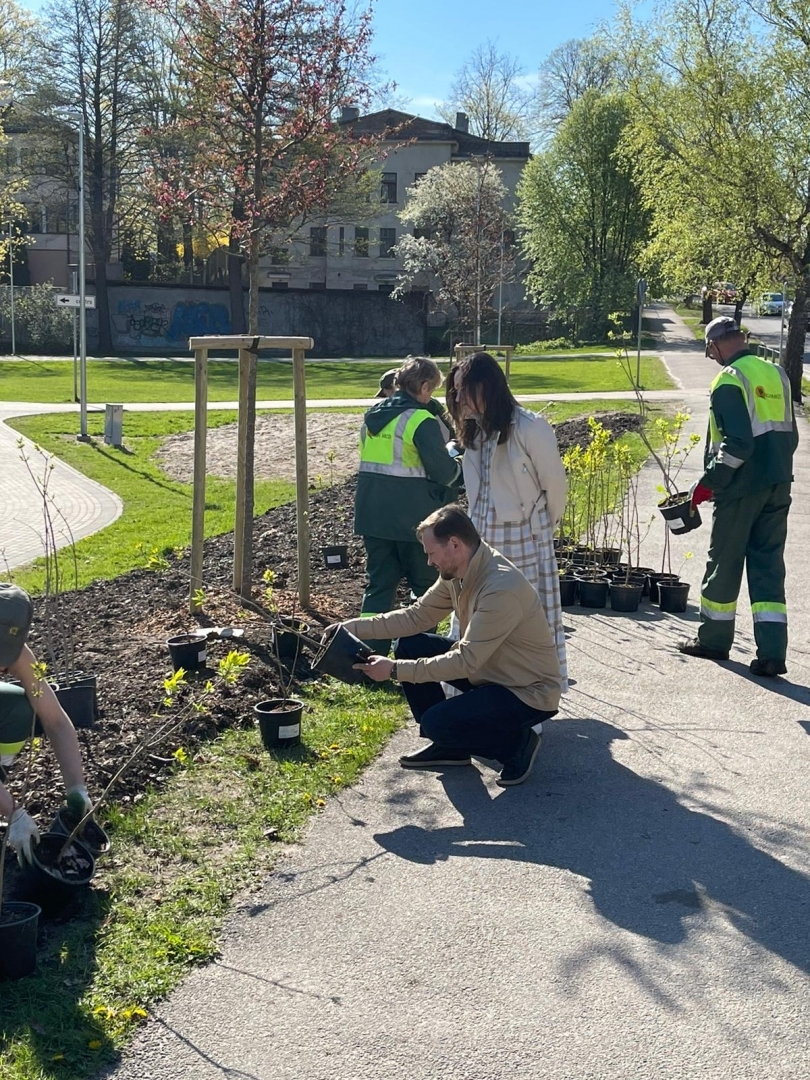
(638, 909)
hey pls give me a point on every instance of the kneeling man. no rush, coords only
(505, 660)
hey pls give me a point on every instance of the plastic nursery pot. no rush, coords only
(568, 591)
(626, 597)
(678, 513)
(338, 655)
(78, 696)
(18, 939)
(288, 642)
(188, 651)
(654, 579)
(608, 556)
(53, 881)
(91, 834)
(279, 722)
(336, 557)
(593, 593)
(673, 595)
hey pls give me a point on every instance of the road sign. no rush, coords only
(74, 300)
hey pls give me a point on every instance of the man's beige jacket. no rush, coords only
(505, 639)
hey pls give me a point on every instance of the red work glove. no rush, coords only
(701, 494)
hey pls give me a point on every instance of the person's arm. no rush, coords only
(540, 443)
(425, 613)
(55, 723)
(495, 617)
(439, 466)
(736, 437)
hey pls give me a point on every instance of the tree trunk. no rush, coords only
(794, 350)
(103, 310)
(235, 288)
(708, 314)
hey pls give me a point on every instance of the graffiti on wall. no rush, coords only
(155, 324)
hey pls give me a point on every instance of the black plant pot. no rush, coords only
(654, 580)
(679, 514)
(336, 557)
(54, 885)
(593, 593)
(91, 835)
(288, 641)
(18, 939)
(188, 651)
(673, 596)
(626, 597)
(338, 655)
(78, 696)
(568, 591)
(279, 722)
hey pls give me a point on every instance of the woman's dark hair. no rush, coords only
(480, 375)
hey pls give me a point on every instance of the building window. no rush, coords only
(279, 284)
(341, 241)
(317, 241)
(387, 289)
(421, 234)
(417, 176)
(317, 286)
(388, 187)
(279, 256)
(388, 237)
(358, 287)
(361, 241)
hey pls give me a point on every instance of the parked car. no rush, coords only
(769, 303)
(723, 292)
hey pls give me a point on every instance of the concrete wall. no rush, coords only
(151, 319)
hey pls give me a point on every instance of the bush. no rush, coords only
(39, 326)
(558, 344)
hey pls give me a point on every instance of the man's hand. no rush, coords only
(378, 668)
(23, 834)
(699, 493)
(78, 801)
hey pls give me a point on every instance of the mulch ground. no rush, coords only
(120, 627)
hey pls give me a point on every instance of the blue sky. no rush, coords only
(422, 43)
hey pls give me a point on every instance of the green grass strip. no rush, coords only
(157, 510)
(51, 381)
(179, 857)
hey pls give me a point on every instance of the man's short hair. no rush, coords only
(450, 521)
(416, 370)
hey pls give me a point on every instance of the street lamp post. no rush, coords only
(82, 291)
(11, 290)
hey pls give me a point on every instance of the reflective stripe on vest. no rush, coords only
(391, 452)
(766, 390)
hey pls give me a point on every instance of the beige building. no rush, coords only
(361, 257)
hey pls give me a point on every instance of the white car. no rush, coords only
(769, 303)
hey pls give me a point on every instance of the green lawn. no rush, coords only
(173, 380)
(157, 510)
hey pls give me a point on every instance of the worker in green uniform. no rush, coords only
(406, 473)
(748, 473)
(18, 705)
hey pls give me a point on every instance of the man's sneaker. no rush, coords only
(769, 668)
(516, 770)
(433, 757)
(692, 647)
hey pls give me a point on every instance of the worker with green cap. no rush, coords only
(748, 472)
(21, 704)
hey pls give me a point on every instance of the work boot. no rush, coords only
(769, 668)
(693, 647)
(433, 757)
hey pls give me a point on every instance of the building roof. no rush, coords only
(396, 126)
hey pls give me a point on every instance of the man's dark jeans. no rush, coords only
(488, 721)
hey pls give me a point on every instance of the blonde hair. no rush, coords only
(416, 370)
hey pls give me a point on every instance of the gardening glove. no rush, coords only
(699, 493)
(454, 448)
(78, 801)
(23, 834)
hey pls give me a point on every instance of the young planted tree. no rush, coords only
(459, 213)
(583, 225)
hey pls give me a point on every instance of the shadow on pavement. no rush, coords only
(655, 867)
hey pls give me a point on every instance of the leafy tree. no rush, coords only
(19, 63)
(488, 88)
(582, 224)
(458, 211)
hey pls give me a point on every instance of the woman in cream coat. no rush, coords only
(515, 480)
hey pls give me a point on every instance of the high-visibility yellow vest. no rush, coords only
(391, 452)
(766, 391)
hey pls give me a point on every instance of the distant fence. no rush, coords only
(767, 353)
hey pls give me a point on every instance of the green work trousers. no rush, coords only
(387, 563)
(747, 533)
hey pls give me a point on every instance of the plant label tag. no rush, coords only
(290, 731)
(201, 656)
(333, 559)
